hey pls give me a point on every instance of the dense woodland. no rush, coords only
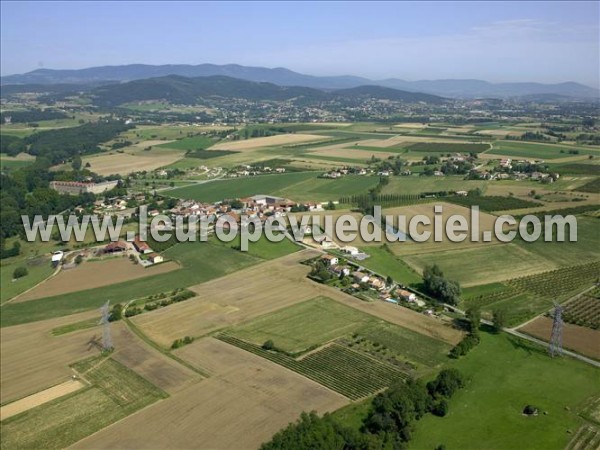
(32, 115)
(62, 144)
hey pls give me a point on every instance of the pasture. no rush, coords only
(39, 268)
(505, 374)
(382, 260)
(247, 399)
(8, 163)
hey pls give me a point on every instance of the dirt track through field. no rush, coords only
(24, 404)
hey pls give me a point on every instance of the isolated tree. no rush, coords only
(269, 345)
(77, 162)
(116, 313)
(20, 272)
(474, 316)
(499, 320)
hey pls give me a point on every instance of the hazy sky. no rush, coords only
(495, 41)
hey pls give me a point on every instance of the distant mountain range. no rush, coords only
(184, 90)
(286, 77)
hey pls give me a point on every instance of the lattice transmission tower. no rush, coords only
(555, 347)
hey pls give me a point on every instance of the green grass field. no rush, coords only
(265, 249)
(505, 374)
(443, 147)
(386, 263)
(190, 143)
(115, 392)
(299, 186)
(71, 327)
(201, 261)
(308, 325)
(303, 326)
(418, 185)
(8, 163)
(39, 269)
(585, 249)
(482, 264)
(577, 168)
(539, 150)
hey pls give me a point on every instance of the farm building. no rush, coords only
(141, 246)
(116, 247)
(155, 258)
(57, 257)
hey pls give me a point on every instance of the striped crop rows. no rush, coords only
(346, 371)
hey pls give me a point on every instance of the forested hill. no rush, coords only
(182, 90)
(384, 93)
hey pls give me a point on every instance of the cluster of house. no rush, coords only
(248, 171)
(146, 256)
(346, 170)
(363, 278)
(256, 206)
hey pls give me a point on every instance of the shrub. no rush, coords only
(116, 313)
(464, 346)
(20, 272)
(530, 410)
(440, 408)
(269, 345)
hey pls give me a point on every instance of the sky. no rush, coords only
(494, 41)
